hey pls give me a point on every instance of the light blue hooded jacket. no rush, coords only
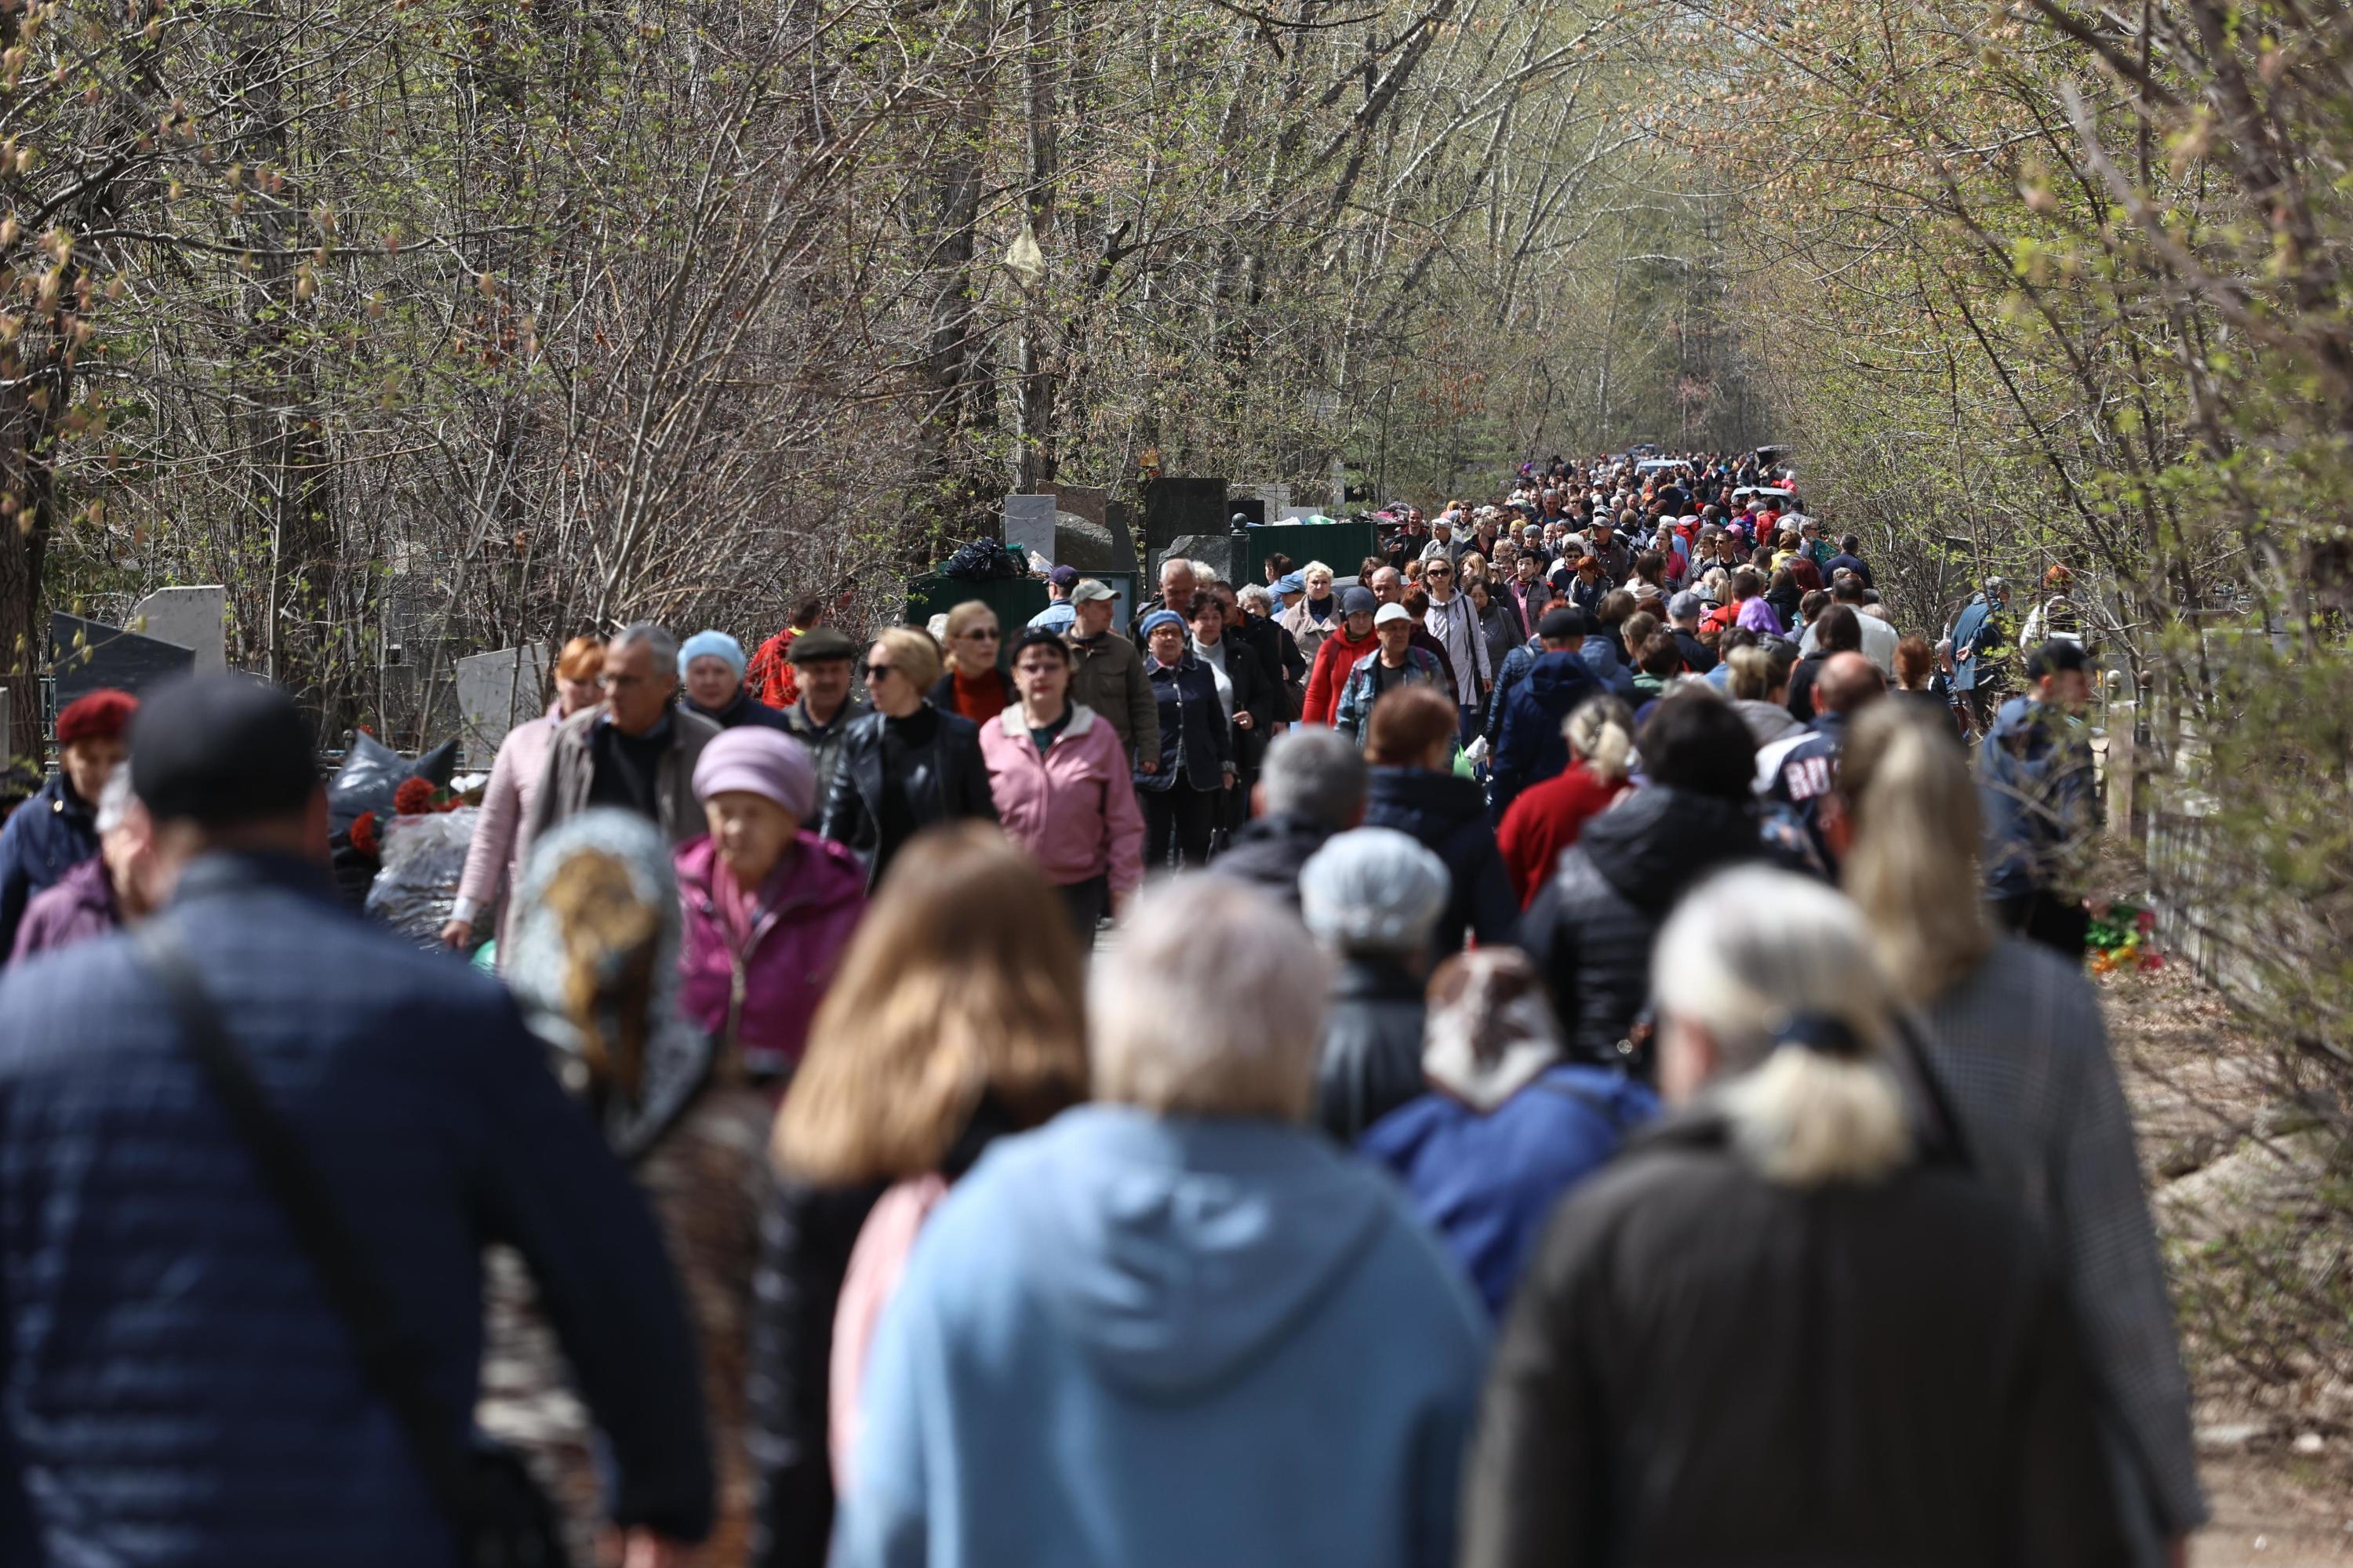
(1167, 1343)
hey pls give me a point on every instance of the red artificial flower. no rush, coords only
(364, 834)
(2146, 922)
(414, 797)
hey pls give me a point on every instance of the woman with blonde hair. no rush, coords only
(906, 764)
(1910, 1386)
(2018, 1052)
(502, 841)
(973, 684)
(958, 1016)
(1316, 614)
(1547, 818)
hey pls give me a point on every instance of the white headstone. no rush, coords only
(497, 692)
(1296, 513)
(191, 618)
(1029, 525)
(1277, 498)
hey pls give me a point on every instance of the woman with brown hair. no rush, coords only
(502, 837)
(973, 684)
(959, 1016)
(1415, 789)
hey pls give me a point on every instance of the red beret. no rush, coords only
(102, 714)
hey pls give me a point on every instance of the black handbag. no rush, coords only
(495, 1509)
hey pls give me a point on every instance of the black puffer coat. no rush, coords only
(1591, 930)
(1449, 817)
(1371, 1059)
(1703, 1366)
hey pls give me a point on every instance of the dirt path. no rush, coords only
(2278, 1466)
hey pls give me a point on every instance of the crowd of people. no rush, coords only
(1594, 1065)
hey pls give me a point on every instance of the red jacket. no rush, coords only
(1546, 819)
(769, 675)
(1333, 660)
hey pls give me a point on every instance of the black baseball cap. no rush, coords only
(219, 750)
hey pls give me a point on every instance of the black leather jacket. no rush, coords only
(944, 778)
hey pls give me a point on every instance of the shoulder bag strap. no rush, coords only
(387, 1363)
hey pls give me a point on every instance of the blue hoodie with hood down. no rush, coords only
(1145, 1341)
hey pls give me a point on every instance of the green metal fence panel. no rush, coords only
(1015, 600)
(1339, 545)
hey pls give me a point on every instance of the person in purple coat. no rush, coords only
(769, 907)
(103, 893)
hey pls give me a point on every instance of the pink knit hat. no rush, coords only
(762, 761)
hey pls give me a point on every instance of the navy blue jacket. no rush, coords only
(50, 834)
(1531, 749)
(173, 1387)
(1448, 817)
(1193, 729)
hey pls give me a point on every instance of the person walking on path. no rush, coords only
(1107, 675)
(1981, 652)
(635, 752)
(234, 1417)
(1188, 1284)
(973, 685)
(1528, 746)
(713, 664)
(955, 1022)
(1504, 1125)
(771, 674)
(2017, 1046)
(2041, 802)
(1181, 800)
(595, 965)
(1314, 786)
(769, 905)
(1547, 818)
(57, 829)
(1910, 1386)
(1589, 930)
(906, 764)
(112, 888)
(1371, 897)
(1415, 789)
(1395, 665)
(1350, 640)
(828, 685)
(1063, 787)
(495, 855)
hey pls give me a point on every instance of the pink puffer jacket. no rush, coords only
(762, 999)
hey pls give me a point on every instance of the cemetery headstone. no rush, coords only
(193, 618)
(1029, 525)
(1179, 506)
(496, 692)
(88, 655)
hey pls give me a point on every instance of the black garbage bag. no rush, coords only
(372, 771)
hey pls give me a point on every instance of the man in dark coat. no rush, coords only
(1528, 746)
(1314, 786)
(1590, 931)
(180, 1389)
(57, 829)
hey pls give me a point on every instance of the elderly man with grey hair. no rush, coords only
(1372, 897)
(636, 750)
(1313, 787)
(1181, 1272)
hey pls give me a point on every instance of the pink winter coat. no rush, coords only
(761, 999)
(494, 857)
(1074, 809)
